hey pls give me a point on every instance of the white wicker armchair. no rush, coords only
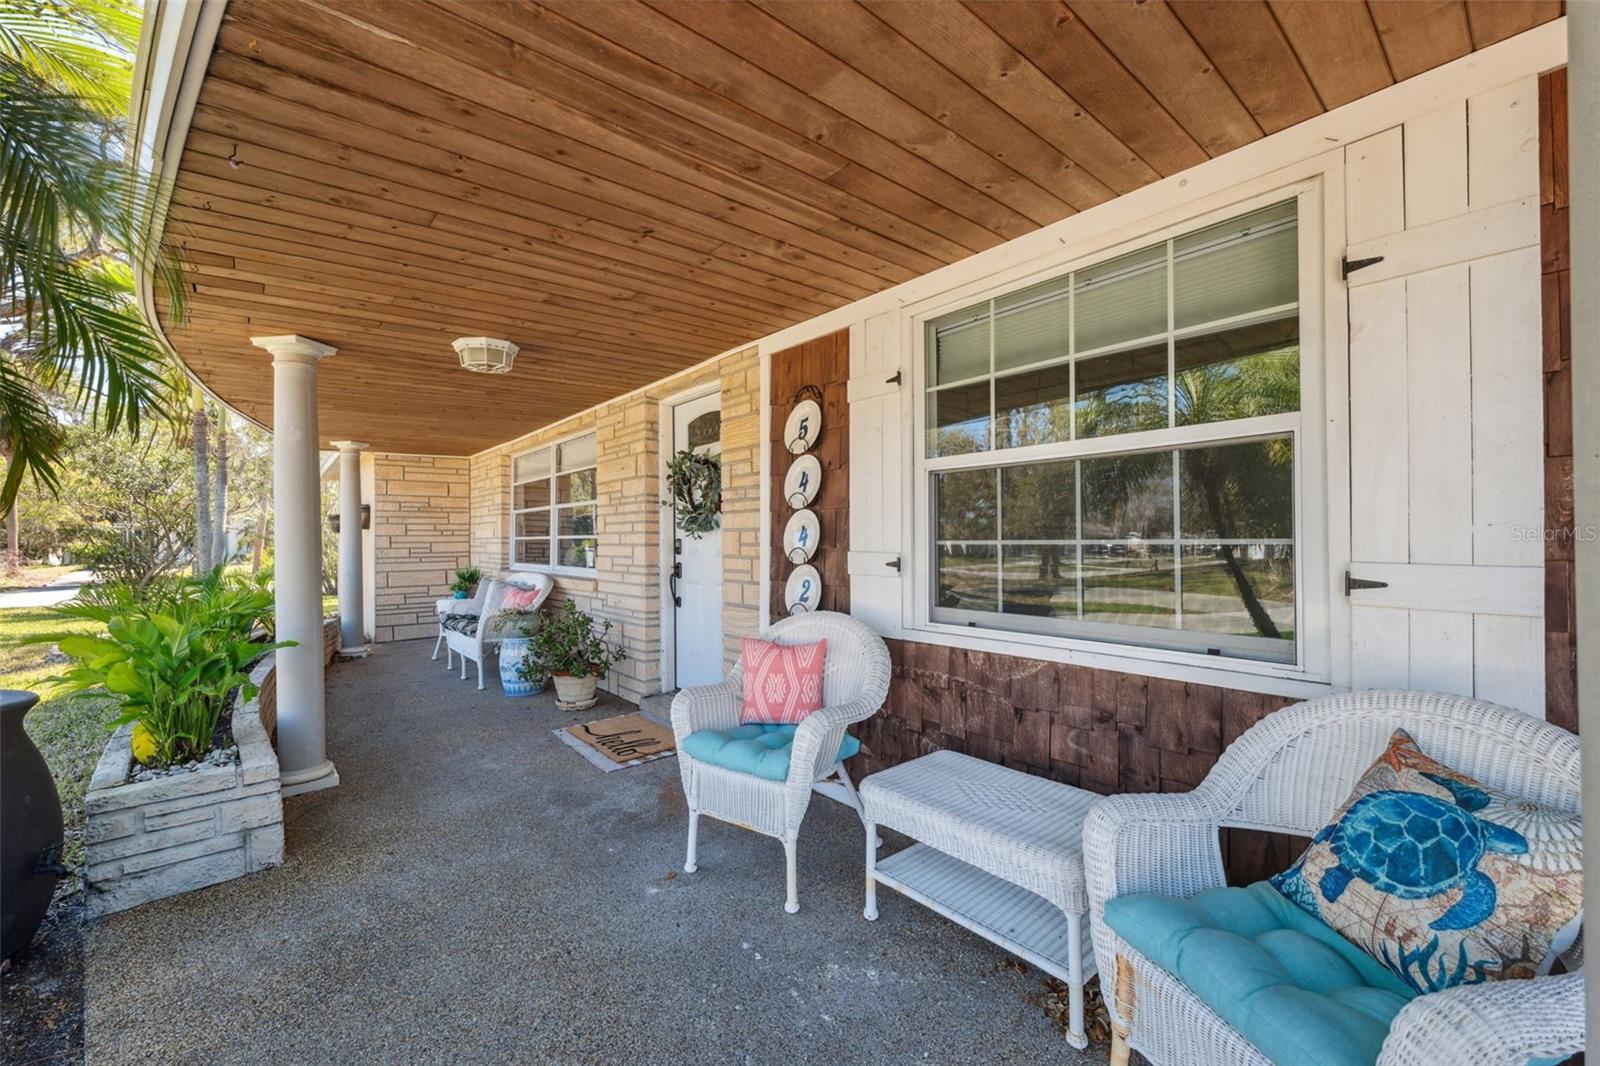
(1287, 774)
(854, 683)
(483, 633)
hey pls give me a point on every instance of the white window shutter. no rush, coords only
(878, 469)
(1446, 416)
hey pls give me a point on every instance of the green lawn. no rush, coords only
(71, 731)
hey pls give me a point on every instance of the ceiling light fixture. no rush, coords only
(485, 355)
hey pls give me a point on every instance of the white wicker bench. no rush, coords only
(999, 852)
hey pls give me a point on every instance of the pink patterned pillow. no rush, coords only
(520, 599)
(782, 682)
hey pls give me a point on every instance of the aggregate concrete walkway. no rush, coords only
(476, 891)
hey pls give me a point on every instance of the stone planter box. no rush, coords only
(150, 839)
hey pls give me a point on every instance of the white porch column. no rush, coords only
(297, 566)
(1583, 197)
(352, 615)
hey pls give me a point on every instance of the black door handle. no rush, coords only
(672, 583)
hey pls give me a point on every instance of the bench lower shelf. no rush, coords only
(1024, 924)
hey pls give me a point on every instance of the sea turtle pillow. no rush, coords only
(1442, 879)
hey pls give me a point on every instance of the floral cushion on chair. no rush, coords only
(782, 682)
(1442, 879)
(466, 624)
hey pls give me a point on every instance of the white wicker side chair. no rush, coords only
(476, 635)
(855, 681)
(1287, 774)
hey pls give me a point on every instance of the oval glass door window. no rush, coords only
(803, 592)
(803, 481)
(705, 429)
(803, 427)
(801, 535)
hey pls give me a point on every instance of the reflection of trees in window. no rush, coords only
(1128, 496)
(1238, 492)
(1243, 372)
(1039, 503)
(966, 506)
(1202, 329)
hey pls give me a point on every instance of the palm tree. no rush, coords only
(75, 219)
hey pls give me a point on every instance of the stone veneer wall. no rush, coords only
(146, 840)
(626, 588)
(741, 501)
(420, 520)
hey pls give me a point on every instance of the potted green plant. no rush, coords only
(577, 652)
(466, 582)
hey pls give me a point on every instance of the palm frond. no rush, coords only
(73, 216)
(92, 341)
(29, 431)
(81, 47)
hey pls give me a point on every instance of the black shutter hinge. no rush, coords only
(894, 564)
(1355, 584)
(1350, 266)
(894, 380)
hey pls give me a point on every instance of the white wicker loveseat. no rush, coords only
(854, 683)
(1287, 774)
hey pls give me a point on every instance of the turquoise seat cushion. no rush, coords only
(762, 750)
(1292, 986)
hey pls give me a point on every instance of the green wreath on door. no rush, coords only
(695, 481)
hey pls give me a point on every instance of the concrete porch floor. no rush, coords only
(476, 891)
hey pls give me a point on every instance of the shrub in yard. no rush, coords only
(171, 653)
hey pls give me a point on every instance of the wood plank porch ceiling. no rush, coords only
(627, 188)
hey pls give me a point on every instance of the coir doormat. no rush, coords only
(626, 740)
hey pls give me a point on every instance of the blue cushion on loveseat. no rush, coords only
(762, 750)
(1292, 986)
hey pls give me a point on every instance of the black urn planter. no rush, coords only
(30, 828)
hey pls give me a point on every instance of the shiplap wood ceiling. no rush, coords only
(625, 189)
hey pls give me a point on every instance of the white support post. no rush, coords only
(352, 614)
(297, 564)
(1583, 196)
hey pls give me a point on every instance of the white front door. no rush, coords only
(697, 577)
(1446, 424)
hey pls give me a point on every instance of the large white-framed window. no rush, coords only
(1115, 457)
(553, 506)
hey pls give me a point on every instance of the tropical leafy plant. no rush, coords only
(172, 652)
(568, 642)
(75, 222)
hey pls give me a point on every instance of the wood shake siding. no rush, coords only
(1560, 583)
(1097, 729)
(823, 363)
(419, 537)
